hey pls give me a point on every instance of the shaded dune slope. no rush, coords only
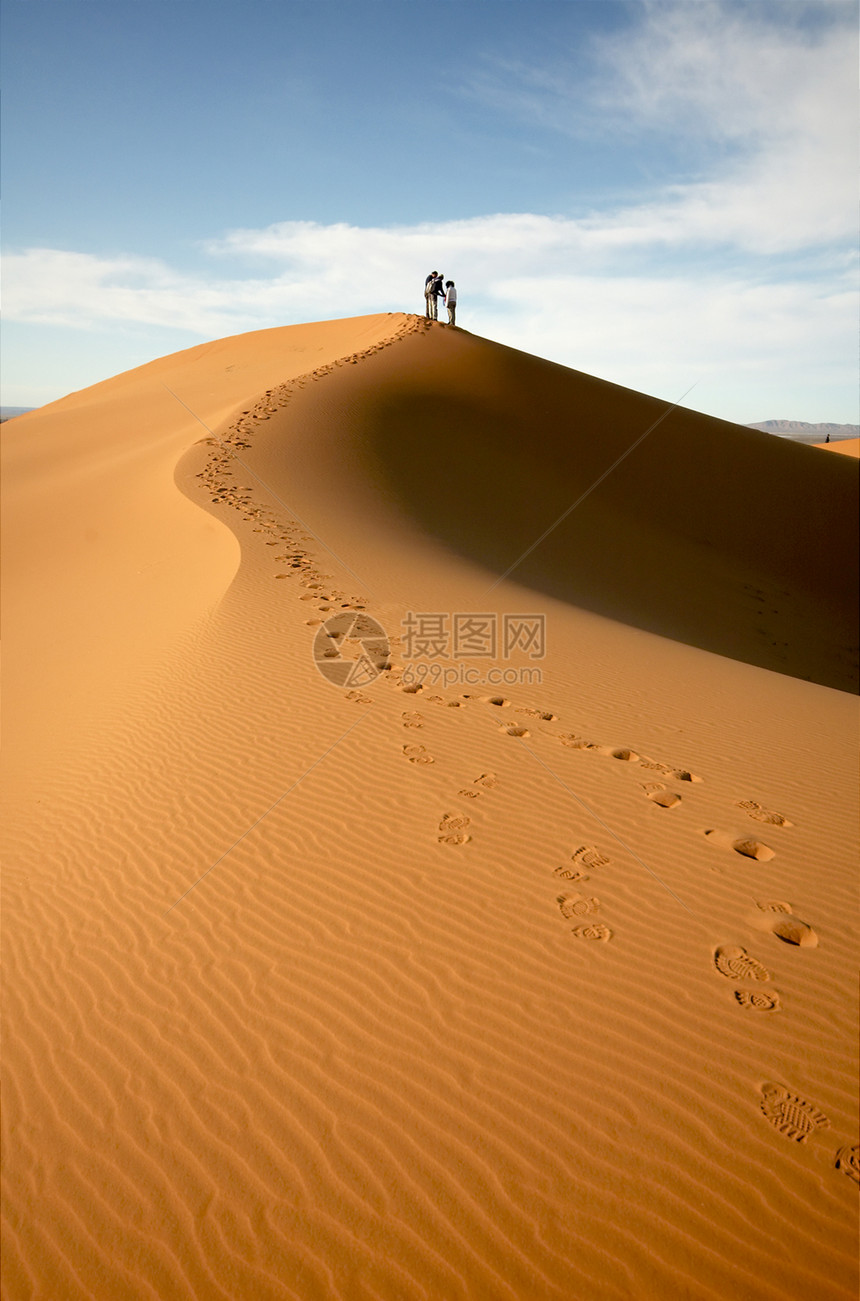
(714, 535)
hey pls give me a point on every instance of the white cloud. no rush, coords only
(782, 97)
(746, 273)
(760, 104)
(56, 287)
(746, 346)
(527, 280)
(728, 70)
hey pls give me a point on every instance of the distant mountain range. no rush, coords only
(7, 413)
(800, 432)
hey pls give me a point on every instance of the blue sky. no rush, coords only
(659, 192)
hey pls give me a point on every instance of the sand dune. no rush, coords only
(500, 987)
(846, 446)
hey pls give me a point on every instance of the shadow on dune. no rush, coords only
(708, 533)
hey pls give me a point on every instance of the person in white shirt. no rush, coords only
(451, 301)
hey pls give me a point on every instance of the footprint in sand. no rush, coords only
(411, 718)
(759, 1000)
(665, 799)
(733, 961)
(499, 701)
(761, 814)
(791, 1115)
(592, 931)
(791, 930)
(659, 795)
(417, 754)
(510, 730)
(666, 769)
(627, 756)
(358, 697)
(753, 849)
(773, 906)
(589, 856)
(543, 714)
(743, 846)
(485, 782)
(452, 829)
(577, 905)
(570, 874)
(848, 1160)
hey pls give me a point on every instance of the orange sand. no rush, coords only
(845, 446)
(494, 989)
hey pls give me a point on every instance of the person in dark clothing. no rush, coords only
(433, 287)
(429, 301)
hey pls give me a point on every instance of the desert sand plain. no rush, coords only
(519, 972)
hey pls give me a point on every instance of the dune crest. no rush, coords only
(845, 446)
(330, 978)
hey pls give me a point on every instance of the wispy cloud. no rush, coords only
(57, 287)
(546, 285)
(759, 101)
(748, 271)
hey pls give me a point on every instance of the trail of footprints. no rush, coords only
(575, 904)
(794, 1117)
(452, 828)
(791, 1115)
(224, 465)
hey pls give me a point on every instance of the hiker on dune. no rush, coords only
(451, 301)
(429, 300)
(433, 287)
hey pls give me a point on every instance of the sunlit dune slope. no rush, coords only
(845, 446)
(105, 562)
(700, 530)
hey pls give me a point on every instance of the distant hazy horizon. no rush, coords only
(795, 430)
